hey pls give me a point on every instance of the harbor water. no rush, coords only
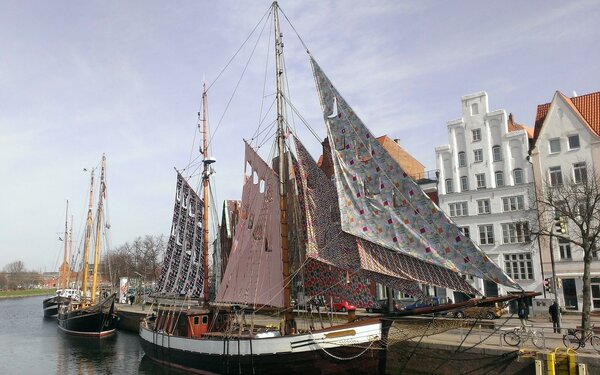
(30, 344)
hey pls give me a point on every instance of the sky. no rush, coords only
(124, 78)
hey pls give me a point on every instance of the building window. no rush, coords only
(483, 206)
(499, 179)
(464, 183)
(518, 176)
(476, 135)
(466, 231)
(462, 159)
(565, 249)
(555, 176)
(478, 155)
(573, 142)
(497, 153)
(486, 234)
(474, 109)
(449, 186)
(480, 180)
(580, 172)
(554, 145)
(458, 209)
(515, 203)
(519, 266)
(515, 232)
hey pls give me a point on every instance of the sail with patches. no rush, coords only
(327, 242)
(383, 205)
(253, 275)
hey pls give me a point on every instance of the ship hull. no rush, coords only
(94, 321)
(348, 349)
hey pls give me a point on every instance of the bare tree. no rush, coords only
(15, 267)
(570, 212)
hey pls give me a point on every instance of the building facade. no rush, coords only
(486, 187)
(565, 150)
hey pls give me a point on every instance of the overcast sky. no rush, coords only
(82, 78)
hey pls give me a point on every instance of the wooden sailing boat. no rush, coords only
(406, 242)
(93, 315)
(50, 305)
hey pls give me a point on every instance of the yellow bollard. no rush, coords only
(550, 358)
(572, 361)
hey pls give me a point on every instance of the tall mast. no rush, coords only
(88, 237)
(282, 173)
(97, 242)
(64, 268)
(205, 177)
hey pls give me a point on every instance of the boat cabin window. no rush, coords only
(196, 320)
(204, 320)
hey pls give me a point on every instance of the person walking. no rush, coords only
(554, 315)
(523, 312)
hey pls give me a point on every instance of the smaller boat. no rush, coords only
(63, 295)
(89, 317)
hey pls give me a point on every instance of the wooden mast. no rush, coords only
(205, 177)
(64, 267)
(282, 173)
(88, 237)
(97, 241)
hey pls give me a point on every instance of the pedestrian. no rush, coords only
(523, 312)
(554, 315)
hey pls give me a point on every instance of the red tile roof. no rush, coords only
(587, 106)
(513, 126)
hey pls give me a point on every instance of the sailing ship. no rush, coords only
(50, 305)
(93, 315)
(371, 223)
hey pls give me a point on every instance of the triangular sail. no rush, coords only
(182, 272)
(253, 275)
(383, 205)
(328, 243)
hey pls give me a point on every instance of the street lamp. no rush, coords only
(559, 222)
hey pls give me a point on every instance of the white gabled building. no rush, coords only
(567, 143)
(486, 186)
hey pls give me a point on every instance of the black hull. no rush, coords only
(371, 361)
(94, 321)
(51, 304)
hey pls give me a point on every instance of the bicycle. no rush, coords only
(522, 334)
(575, 338)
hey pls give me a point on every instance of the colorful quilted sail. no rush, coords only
(381, 204)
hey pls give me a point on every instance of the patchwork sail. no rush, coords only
(182, 272)
(380, 203)
(327, 242)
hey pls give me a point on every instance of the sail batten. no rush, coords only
(381, 204)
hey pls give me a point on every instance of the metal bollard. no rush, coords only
(572, 361)
(550, 358)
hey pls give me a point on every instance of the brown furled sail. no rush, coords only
(182, 272)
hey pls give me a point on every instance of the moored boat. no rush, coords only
(369, 222)
(91, 315)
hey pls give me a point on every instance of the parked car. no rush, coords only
(424, 302)
(381, 306)
(479, 312)
(342, 305)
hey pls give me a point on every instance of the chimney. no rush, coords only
(397, 140)
(574, 94)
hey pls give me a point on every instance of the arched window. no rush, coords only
(497, 153)
(499, 179)
(462, 159)
(518, 176)
(449, 186)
